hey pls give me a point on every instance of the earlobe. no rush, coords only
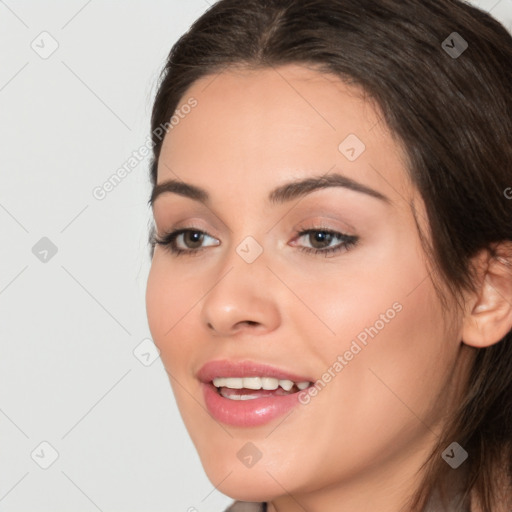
(488, 316)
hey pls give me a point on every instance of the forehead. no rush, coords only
(275, 124)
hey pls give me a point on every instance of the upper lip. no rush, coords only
(246, 368)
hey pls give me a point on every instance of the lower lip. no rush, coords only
(247, 413)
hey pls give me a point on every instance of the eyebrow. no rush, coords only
(279, 195)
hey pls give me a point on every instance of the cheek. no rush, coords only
(387, 326)
(156, 300)
(169, 306)
(170, 312)
(396, 351)
(365, 295)
(387, 384)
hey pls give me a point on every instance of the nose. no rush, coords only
(243, 298)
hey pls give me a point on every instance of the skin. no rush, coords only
(374, 424)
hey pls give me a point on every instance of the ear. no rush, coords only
(488, 313)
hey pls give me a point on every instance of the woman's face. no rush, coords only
(363, 320)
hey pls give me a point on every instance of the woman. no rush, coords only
(331, 278)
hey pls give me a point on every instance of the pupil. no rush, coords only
(321, 237)
(196, 237)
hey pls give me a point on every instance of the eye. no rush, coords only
(321, 240)
(191, 241)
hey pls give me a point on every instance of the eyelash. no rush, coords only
(347, 243)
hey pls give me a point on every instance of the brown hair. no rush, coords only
(452, 115)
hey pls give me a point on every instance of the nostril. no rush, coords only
(248, 322)
(245, 323)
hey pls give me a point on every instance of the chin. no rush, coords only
(244, 484)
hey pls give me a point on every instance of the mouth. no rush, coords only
(251, 388)
(249, 394)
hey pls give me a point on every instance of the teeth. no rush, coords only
(267, 383)
(242, 397)
(252, 382)
(286, 384)
(233, 383)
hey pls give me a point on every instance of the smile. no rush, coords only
(248, 388)
(249, 394)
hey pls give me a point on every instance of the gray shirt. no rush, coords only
(245, 506)
(456, 504)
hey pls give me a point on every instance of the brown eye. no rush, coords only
(190, 240)
(193, 239)
(320, 241)
(319, 238)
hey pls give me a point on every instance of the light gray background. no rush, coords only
(69, 326)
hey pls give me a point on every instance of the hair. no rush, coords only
(451, 115)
